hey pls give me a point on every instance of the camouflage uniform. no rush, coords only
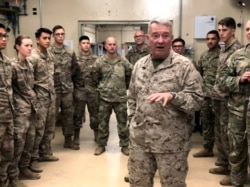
(135, 54)
(24, 104)
(159, 136)
(113, 77)
(65, 62)
(6, 117)
(239, 94)
(85, 92)
(207, 66)
(45, 92)
(220, 106)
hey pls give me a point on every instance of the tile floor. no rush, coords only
(83, 169)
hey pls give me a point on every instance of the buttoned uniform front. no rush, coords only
(239, 93)
(6, 117)
(44, 88)
(220, 105)
(64, 65)
(25, 114)
(85, 92)
(162, 131)
(207, 66)
(112, 77)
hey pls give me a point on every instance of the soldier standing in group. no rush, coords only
(235, 79)
(43, 64)
(25, 113)
(85, 90)
(112, 74)
(207, 66)
(140, 49)
(226, 29)
(65, 62)
(6, 110)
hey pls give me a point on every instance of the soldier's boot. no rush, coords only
(35, 166)
(222, 170)
(99, 150)
(68, 142)
(76, 140)
(126, 178)
(15, 182)
(27, 174)
(206, 152)
(95, 135)
(125, 150)
(226, 181)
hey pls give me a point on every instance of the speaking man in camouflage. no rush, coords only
(140, 49)
(6, 110)
(85, 90)
(207, 66)
(65, 64)
(235, 79)
(25, 113)
(226, 29)
(164, 91)
(43, 65)
(112, 74)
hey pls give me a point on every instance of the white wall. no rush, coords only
(69, 12)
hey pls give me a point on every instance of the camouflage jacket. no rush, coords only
(135, 54)
(43, 73)
(237, 64)
(217, 92)
(83, 79)
(65, 67)
(156, 128)
(207, 66)
(6, 92)
(23, 84)
(112, 78)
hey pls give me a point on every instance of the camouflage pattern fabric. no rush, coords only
(85, 92)
(135, 54)
(162, 131)
(6, 116)
(239, 93)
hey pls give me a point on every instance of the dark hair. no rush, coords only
(215, 32)
(228, 22)
(19, 39)
(41, 30)
(2, 26)
(83, 37)
(56, 28)
(179, 40)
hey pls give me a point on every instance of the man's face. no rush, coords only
(178, 47)
(139, 37)
(226, 33)
(212, 41)
(111, 46)
(85, 46)
(248, 31)
(160, 39)
(3, 38)
(59, 36)
(44, 40)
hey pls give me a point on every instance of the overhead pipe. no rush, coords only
(180, 18)
(40, 12)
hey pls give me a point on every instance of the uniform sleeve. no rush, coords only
(128, 72)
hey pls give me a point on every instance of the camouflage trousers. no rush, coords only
(24, 137)
(64, 104)
(45, 127)
(81, 99)
(220, 129)
(238, 156)
(105, 110)
(207, 119)
(142, 167)
(6, 148)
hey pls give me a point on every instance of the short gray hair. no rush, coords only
(161, 20)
